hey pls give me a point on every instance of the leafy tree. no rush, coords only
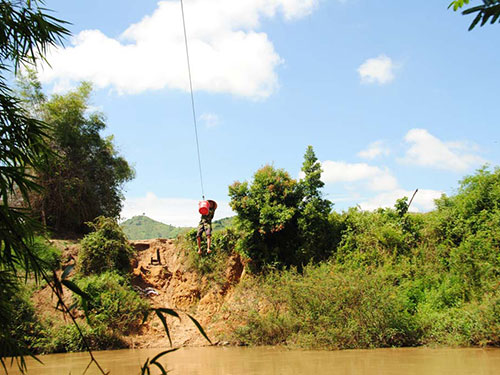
(285, 222)
(84, 179)
(488, 11)
(267, 213)
(470, 222)
(26, 31)
(318, 238)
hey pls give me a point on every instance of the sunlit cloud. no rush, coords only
(429, 151)
(377, 70)
(228, 52)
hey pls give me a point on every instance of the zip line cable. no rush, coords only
(192, 99)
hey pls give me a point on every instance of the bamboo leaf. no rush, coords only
(159, 365)
(164, 322)
(159, 355)
(74, 288)
(169, 312)
(200, 328)
(67, 270)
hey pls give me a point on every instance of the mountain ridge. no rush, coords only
(142, 227)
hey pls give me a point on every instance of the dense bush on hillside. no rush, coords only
(113, 303)
(105, 249)
(395, 279)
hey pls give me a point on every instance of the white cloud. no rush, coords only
(376, 178)
(227, 52)
(211, 120)
(173, 211)
(377, 70)
(423, 201)
(374, 149)
(429, 151)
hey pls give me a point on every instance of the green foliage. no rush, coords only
(284, 222)
(50, 256)
(112, 302)
(27, 32)
(267, 213)
(105, 249)
(84, 176)
(316, 237)
(396, 279)
(144, 228)
(330, 307)
(66, 338)
(371, 238)
(20, 329)
(224, 223)
(488, 11)
(213, 265)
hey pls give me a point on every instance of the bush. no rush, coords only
(213, 265)
(330, 307)
(24, 330)
(105, 249)
(48, 254)
(66, 338)
(113, 303)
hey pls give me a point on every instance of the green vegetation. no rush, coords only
(221, 224)
(144, 228)
(112, 302)
(213, 266)
(28, 31)
(488, 11)
(393, 279)
(105, 249)
(284, 222)
(82, 178)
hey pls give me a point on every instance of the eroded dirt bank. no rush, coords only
(168, 282)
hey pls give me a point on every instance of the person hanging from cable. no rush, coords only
(207, 211)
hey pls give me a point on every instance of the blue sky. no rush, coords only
(392, 95)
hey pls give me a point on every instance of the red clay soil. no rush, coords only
(180, 289)
(173, 286)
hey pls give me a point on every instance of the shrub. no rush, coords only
(331, 307)
(66, 338)
(105, 249)
(113, 303)
(23, 328)
(48, 254)
(213, 265)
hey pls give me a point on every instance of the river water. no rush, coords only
(274, 361)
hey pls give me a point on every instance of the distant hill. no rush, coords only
(145, 228)
(223, 223)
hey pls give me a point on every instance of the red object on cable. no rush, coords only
(203, 207)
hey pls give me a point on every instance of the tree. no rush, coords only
(83, 179)
(488, 11)
(317, 236)
(285, 222)
(26, 31)
(267, 213)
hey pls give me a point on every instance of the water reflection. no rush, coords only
(278, 361)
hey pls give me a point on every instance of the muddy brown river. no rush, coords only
(274, 361)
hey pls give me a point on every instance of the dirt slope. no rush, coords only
(182, 289)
